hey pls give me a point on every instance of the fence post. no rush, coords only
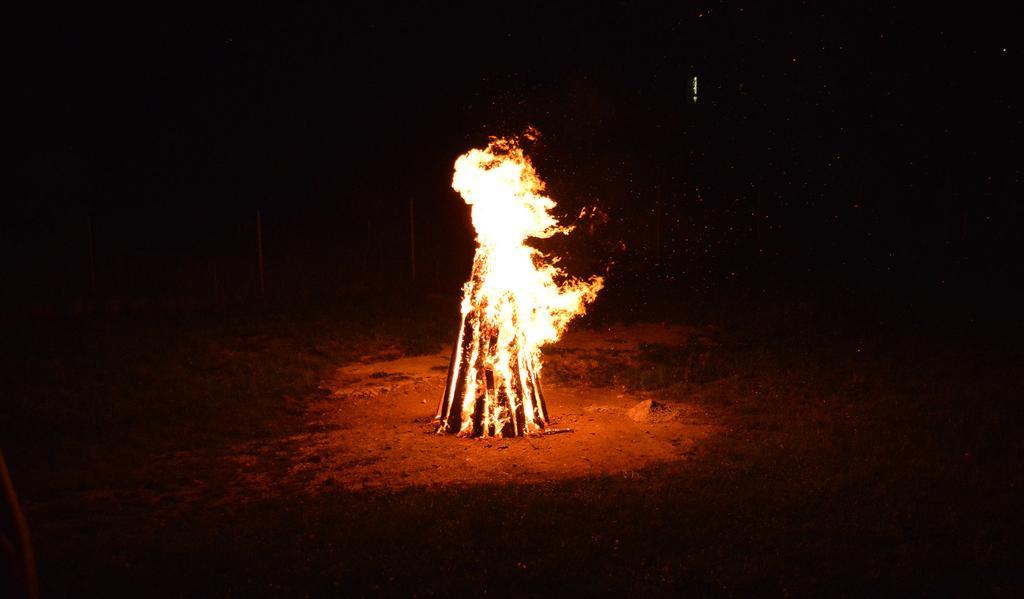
(412, 238)
(92, 254)
(259, 252)
(657, 225)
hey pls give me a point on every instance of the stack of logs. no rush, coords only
(477, 394)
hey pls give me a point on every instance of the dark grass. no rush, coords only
(100, 390)
(859, 455)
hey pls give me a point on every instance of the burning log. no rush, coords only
(481, 399)
(511, 305)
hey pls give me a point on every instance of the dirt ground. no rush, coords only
(375, 427)
(294, 454)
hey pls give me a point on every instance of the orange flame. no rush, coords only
(513, 303)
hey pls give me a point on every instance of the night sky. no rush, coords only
(855, 147)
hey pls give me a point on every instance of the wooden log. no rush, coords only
(451, 404)
(442, 406)
(491, 402)
(541, 404)
(498, 405)
(530, 396)
(511, 426)
(518, 397)
(480, 397)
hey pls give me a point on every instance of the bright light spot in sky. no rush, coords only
(694, 89)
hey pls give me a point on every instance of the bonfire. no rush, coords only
(516, 299)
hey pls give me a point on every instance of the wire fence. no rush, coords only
(92, 263)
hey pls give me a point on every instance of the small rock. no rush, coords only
(646, 410)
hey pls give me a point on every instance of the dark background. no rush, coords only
(832, 149)
(834, 221)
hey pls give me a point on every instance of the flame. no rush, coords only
(516, 300)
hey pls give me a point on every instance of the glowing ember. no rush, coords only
(516, 299)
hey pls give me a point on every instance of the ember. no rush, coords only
(512, 304)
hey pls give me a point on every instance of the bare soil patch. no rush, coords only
(375, 429)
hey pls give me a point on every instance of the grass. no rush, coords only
(853, 461)
(116, 391)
